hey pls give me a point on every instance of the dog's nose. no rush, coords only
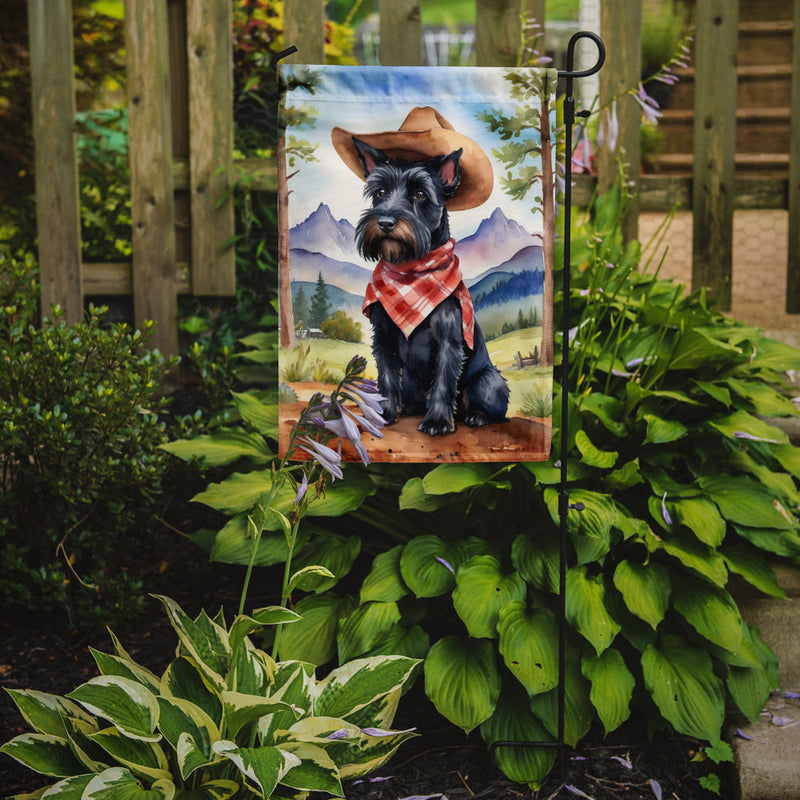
(386, 224)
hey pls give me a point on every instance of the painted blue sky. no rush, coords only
(372, 99)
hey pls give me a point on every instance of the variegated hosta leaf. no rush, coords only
(183, 679)
(242, 709)
(45, 712)
(316, 771)
(262, 766)
(373, 753)
(252, 670)
(586, 608)
(125, 668)
(462, 680)
(145, 759)
(646, 589)
(294, 685)
(612, 687)
(358, 683)
(204, 641)
(117, 783)
(683, 685)
(68, 789)
(212, 790)
(529, 645)
(513, 721)
(126, 704)
(190, 755)
(44, 753)
(179, 718)
(481, 591)
(78, 733)
(244, 625)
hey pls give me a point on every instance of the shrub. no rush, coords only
(79, 430)
(342, 327)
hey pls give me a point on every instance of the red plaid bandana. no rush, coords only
(409, 291)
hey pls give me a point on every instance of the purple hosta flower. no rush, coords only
(577, 792)
(608, 131)
(380, 732)
(301, 489)
(376, 779)
(649, 106)
(342, 733)
(752, 438)
(742, 735)
(655, 787)
(425, 797)
(664, 512)
(344, 426)
(328, 459)
(624, 761)
(445, 563)
(791, 695)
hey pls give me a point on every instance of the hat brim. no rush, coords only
(477, 176)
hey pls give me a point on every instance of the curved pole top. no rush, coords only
(570, 72)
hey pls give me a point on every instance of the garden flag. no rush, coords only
(416, 210)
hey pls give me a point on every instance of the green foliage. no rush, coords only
(79, 428)
(222, 718)
(342, 327)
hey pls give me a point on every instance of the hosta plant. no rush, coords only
(224, 720)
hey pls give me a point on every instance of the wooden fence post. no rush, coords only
(152, 200)
(621, 28)
(210, 55)
(304, 27)
(401, 33)
(56, 161)
(717, 24)
(793, 266)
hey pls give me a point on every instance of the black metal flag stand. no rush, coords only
(564, 505)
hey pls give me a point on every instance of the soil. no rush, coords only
(45, 654)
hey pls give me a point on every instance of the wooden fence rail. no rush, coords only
(180, 98)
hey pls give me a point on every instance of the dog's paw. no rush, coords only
(436, 426)
(477, 418)
(412, 409)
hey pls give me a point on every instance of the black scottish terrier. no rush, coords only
(433, 371)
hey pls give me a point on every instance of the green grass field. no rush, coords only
(331, 356)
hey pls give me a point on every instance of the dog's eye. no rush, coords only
(420, 195)
(381, 193)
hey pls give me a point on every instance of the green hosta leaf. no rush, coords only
(312, 577)
(145, 759)
(428, 565)
(612, 687)
(695, 349)
(717, 392)
(316, 772)
(608, 410)
(212, 790)
(242, 709)
(365, 627)
(481, 591)
(385, 582)
(663, 431)
(207, 644)
(223, 446)
(453, 478)
(263, 766)
(399, 640)
(233, 544)
(625, 477)
(529, 645)
(749, 687)
(126, 704)
(645, 588)
(782, 543)
(683, 685)
(355, 685)
(125, 668)
(753, 567)
(182, 679)
(788, 455)
(693, 554)
(537, 561)
(45, 712)
(745, 502)
(597, 517)
(740, 422)
(414, 497)
(701, 517)
(462, 680)
(709, 610)
(590, 455)
(774, 355)
(44, 753)
(586, 608)
(512, 721)
(261, 416)
(335, 553)
(313, 638)
(578, 710)
(237, 493)
(118, 784)
(767, 402)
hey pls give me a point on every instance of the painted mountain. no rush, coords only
(502, 264)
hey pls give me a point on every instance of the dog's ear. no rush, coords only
(370, 157)
(447, 167)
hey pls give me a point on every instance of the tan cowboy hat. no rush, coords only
(425, 133)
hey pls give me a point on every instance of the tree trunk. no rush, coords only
(548, 223)
(284, 278)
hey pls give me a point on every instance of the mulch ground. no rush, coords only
(441, 762)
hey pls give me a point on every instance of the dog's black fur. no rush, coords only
(433, 371)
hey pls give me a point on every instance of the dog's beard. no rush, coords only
(399, 245)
